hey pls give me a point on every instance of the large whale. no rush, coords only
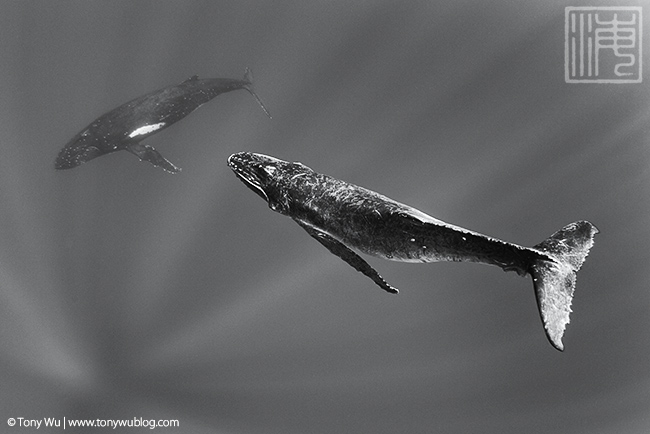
(343, 216)
(124, 127)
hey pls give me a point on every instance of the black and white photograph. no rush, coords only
(315, 217)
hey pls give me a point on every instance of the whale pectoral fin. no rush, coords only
(148, 153)
(345, 253)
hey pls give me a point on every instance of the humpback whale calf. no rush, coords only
(343, 216)
(127, 125)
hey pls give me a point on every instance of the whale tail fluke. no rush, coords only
(248, 77)
(554, 281)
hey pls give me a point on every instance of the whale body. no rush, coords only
(124, 127)
(346, 218)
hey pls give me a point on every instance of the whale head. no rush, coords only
(269, 177)
(82, 148)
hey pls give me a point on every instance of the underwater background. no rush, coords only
(127, 292)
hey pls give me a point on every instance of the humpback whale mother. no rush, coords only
(127, 125)
(343, 217)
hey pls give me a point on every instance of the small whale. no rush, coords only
(127, 125)
(343, 217)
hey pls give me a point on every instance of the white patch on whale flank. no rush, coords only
(146, 129)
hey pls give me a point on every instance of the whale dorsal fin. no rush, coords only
(192, 78)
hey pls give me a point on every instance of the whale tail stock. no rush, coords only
(248, 77)
(554, 281)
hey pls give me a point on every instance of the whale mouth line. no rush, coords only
(252, 185)
(246, 174)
